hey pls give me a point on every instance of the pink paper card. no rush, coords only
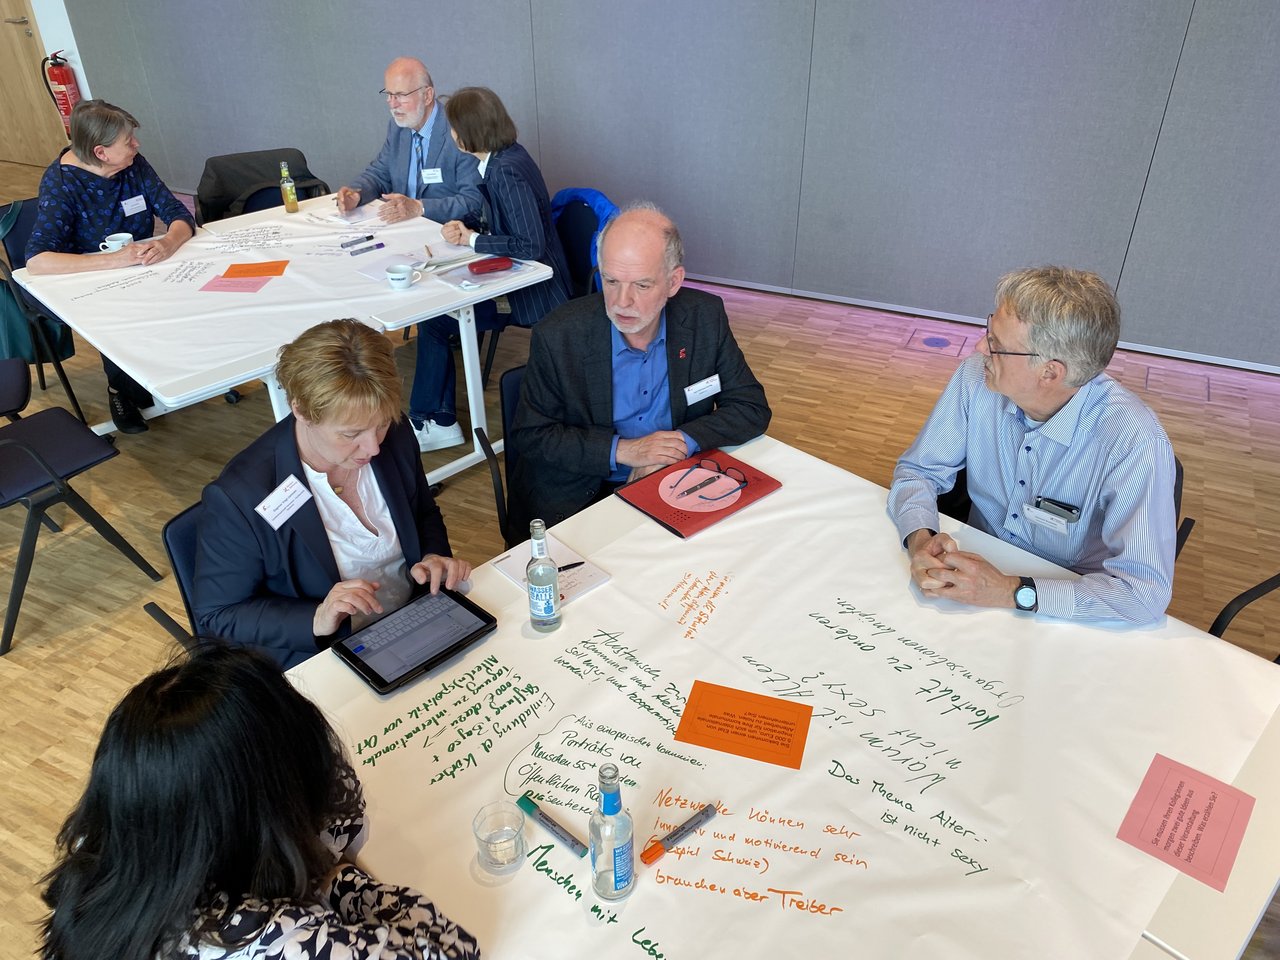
(236, 284)
(1189, 820)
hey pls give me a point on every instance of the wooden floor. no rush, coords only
(847, 384)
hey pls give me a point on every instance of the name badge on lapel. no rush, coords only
(702, 389)
(134, 205)
(432, 175)
(283, 502)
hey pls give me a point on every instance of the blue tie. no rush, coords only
(417, 166)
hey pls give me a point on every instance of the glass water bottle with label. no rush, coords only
(543, 581)
(287, 190)
(612, 857)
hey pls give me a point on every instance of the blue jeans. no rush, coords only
(434, 377)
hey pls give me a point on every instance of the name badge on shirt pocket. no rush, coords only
(134, 205)
(1042, 518)
(432, 175)
(283, 502)
(702, 389)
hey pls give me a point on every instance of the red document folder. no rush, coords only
(697, 492)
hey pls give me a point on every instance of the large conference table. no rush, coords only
(185, 344)
(965, 774)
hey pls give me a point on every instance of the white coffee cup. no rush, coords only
(402, 277)
(115, 241)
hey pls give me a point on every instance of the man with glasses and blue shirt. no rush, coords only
(627, 381)
(1060, 460)
(419, 172)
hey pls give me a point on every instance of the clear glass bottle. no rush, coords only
(543, 581)
(612, 856)
(287, 190)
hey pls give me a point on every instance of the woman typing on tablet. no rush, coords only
(320, 524)
(217, 823)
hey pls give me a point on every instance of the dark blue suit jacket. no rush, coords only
(522, 228)
(260, 587)
(455, 198)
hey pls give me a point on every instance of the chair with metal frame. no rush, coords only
(17, 220)
(579, 213)
(955, 503)
(236, 183)
(39, 454)
(179, 537)
(509, 399)
(1256, 592)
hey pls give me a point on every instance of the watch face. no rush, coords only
(1025, 597)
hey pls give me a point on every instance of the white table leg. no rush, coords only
(279, 401)
(466, 317)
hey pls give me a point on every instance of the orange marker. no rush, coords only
(656, 849)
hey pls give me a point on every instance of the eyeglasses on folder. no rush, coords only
(733, 473)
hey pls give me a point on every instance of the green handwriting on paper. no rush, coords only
(606, 656)
(460, 719)
(901, 814)
(559, 765)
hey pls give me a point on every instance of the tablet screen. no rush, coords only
(407, 642)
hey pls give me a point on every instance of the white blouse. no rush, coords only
(359, 553)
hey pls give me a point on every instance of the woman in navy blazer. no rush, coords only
(517, 223)
(327, 517)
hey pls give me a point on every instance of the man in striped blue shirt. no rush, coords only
(1060, 459)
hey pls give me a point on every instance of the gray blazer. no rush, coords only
(456, 197)
(563, 428)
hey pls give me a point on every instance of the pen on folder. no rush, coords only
(356, 242)
(570, 566)
(372, 246)
(656, 849)
(527, 804)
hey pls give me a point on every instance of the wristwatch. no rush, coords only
(1024, 595)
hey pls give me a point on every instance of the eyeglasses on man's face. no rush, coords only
(995, 352)
(401, 97)
(710, 466)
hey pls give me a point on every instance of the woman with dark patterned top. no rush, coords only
(218, 823)
(98, 186)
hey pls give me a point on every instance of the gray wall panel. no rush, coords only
(948, 143)
(250, 76)
(1202, 271)
(696, 106)
(894, 151)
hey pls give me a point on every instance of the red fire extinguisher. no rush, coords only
(60, 81)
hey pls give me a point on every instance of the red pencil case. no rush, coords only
(490, 265)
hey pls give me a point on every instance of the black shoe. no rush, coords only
(125, 413)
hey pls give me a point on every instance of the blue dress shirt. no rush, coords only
(641, 394)
(1104, 452)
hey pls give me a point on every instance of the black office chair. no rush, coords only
(38, 455)
(236, 183)
(47, 339)
(509, 399)
(179, 536)
(955, 503)
(579, 213)
(1184, 523)
(1223, 620)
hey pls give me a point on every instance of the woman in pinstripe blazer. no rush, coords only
(516, 223)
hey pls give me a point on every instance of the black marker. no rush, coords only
(357, 240)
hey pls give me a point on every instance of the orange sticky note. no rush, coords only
(272, 268)
(747, 724)
(1188, 819)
